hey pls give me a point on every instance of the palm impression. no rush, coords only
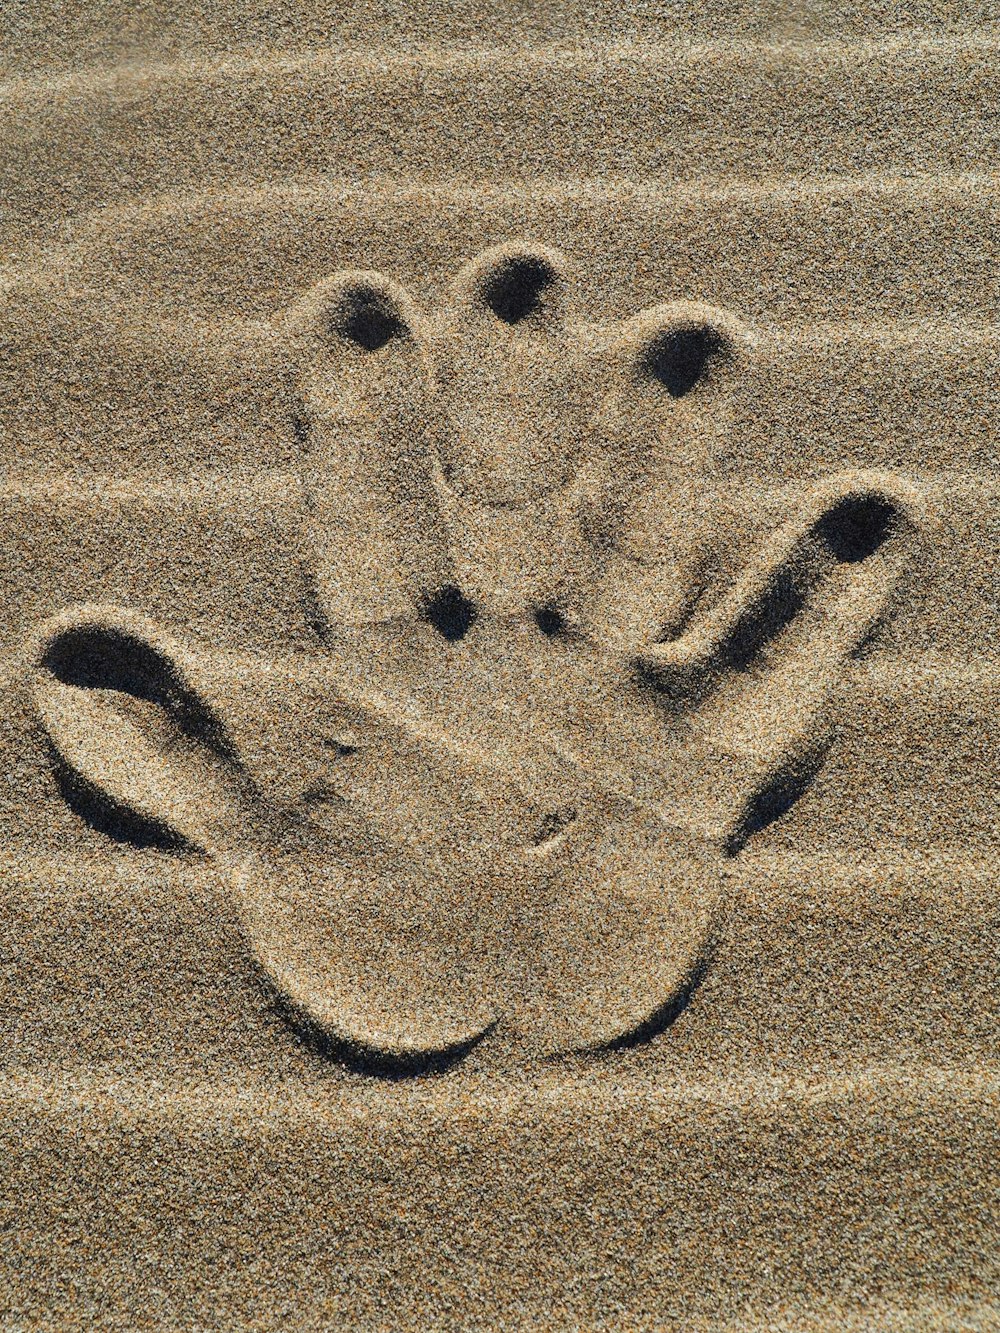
(502, 796)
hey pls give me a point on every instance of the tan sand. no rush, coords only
(499, 654)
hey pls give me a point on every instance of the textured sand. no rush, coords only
(499, 668)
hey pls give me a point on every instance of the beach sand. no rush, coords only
(499, 667)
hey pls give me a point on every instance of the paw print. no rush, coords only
(502, 798)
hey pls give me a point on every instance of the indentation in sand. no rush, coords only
(511, 864)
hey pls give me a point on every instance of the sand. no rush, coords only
(499, 659)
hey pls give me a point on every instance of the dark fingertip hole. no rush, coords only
(515, 289)
(681, 358)
(367, 318)
(96, 657)
(857, 526)
(550, 620)
(450, 612)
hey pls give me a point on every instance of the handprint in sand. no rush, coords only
(501, 798)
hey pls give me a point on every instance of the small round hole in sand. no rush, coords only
(515, 288)
(857, 526)
(681, 358)
(367, 318)
(450, 612)
(549, 620)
